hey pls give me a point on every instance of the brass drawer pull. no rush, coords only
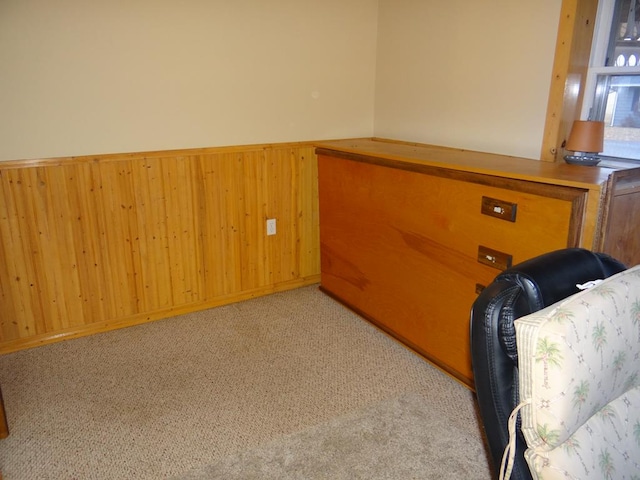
(494, 258)
(499, 209)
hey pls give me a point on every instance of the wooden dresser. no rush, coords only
(410, 234)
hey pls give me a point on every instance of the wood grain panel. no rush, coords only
(307, 214)
(221, 213)
(118, 222)
(573, 48)
(95, 243)
(622, 240)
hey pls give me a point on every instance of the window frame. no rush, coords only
(597, 65)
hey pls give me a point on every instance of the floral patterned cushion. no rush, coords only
(579, 363)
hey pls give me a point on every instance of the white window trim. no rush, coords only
(598, 55)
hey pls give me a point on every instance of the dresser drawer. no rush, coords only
(453, 215)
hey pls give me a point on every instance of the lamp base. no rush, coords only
(584, 160)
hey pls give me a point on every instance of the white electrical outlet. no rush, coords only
(271, 226)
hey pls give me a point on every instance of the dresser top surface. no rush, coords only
(557, 173)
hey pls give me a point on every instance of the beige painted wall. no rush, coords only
(100, 76)
(467, 74)
(91, 77)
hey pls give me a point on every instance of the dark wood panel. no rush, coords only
(622, 239)
(4, 427)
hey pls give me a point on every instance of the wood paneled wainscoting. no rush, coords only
(90, 244)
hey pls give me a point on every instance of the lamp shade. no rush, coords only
(586, 136)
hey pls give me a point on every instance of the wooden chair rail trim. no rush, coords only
(186, 152)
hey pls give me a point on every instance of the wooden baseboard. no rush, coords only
(101, 327)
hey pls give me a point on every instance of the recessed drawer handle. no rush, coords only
(494, 258)
(499, 209)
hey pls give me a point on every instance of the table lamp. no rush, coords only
(586, 141)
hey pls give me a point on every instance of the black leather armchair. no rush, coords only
(523, 289)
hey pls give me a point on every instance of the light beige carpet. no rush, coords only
(402, 438)
(239, 383)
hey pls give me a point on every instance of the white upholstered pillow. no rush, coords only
(579, 366)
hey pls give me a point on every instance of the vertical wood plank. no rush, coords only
(118, 221)
(573, 48)
(221, 195)
(282, 205)
(308, 236)
(181, 229)
(87, 239)
(16, 278)
(255, 267)
(152, 259)
(59, 269)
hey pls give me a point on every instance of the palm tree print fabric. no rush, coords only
(579, 365)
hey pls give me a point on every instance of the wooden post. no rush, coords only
(4, 427)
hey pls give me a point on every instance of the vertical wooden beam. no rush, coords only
(573, 49)
(4, 427)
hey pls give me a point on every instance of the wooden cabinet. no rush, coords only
(409, 234)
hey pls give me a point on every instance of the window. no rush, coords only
(612, 91)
